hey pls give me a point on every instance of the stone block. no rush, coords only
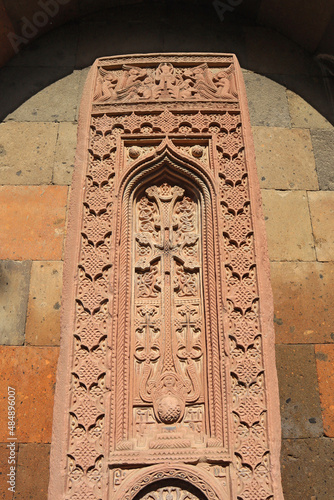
(284, 158)
(43, 316)
(65, 153)
(303, 302)
(267, 101)
(312, 89)
(32, 472)
(270, 52)
(288, 225)
(303, 115)
(322, 215)
(324, 355)
(32, 222)
(27, 152)
(55, 103)
(5, 469)
(14, 290)
(31, 371)
(323, 147)
(19, 84)
(299, 394)
(307, 466)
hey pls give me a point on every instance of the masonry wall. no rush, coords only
(40, 92)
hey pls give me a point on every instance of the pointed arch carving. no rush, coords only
(168, 169)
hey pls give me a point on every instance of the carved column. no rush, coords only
(166, 385)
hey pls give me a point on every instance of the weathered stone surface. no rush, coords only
(307, 466)
(19, 84)
(288, 225)
(322, 216)
(32, 222)
(31, 371)
(14, 290)
(267, 101)
(303, 115)
(6, 455)
(57, 102)
(284, 158)
(43, 316)
(324, 355)
(299, 395)
(312, 89)
(303, 302)
(32, 472)
(31, 162)
(323, 147)
(65, 153)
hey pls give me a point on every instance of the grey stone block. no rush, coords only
(307, 466)
(267, 101)
(54, 103)
(14, 291)
(323, 148)
(299, 393)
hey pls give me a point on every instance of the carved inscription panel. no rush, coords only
(166, 368)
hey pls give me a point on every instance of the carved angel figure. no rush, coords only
(224, 82)
(105, 86)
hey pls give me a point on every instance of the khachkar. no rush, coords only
(166, 385)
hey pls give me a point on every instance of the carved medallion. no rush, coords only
(166, 386)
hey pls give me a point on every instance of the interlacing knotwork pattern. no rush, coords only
(87, 420)
(245, 345)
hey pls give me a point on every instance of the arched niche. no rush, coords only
(192, 350)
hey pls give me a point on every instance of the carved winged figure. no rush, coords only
(105, 86)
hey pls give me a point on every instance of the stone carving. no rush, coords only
(165, 82)
(169, 493)
(168, 357)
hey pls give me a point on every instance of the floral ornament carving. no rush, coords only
(165, 308)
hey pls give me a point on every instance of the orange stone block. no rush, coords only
(325, 367)
(31, 371)
(32, 222)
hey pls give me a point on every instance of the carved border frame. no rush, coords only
(251, 473)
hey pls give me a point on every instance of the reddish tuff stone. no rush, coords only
(31, 372)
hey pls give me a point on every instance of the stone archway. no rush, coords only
(168, 482)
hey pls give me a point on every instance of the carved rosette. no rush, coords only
(167, 344)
